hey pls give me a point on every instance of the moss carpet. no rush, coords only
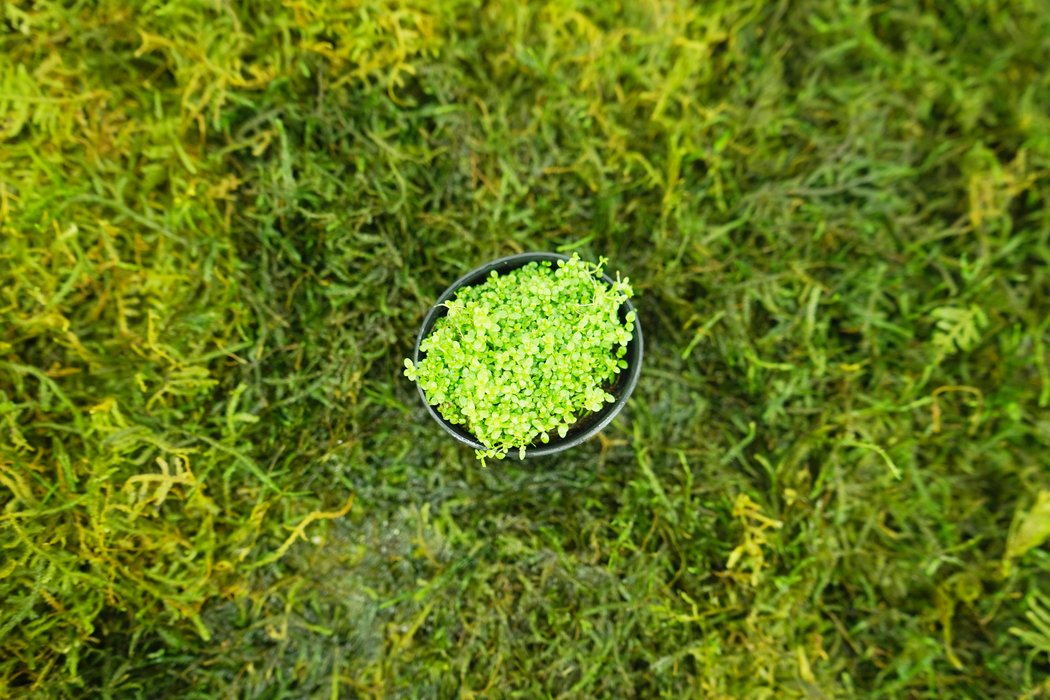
(222, 221)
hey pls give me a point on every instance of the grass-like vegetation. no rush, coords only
(221, 224)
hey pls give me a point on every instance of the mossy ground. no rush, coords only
(222, 222)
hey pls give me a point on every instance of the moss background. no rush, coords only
(222, 221)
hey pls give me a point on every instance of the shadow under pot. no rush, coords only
(588, 425)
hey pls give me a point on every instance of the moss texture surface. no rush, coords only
(221, 224)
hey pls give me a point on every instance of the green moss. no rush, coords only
(222, 224)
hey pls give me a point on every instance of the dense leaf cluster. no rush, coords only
(526, 353)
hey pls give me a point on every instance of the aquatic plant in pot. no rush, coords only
(533, 353)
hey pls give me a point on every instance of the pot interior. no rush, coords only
(586, 426)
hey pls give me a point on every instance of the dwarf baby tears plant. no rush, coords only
(526, 353)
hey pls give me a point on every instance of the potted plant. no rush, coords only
(533, 353)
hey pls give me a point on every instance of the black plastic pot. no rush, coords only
(589, 425)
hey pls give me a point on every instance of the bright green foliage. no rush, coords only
(1039, 637)
(526, 353)
(134, 489)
